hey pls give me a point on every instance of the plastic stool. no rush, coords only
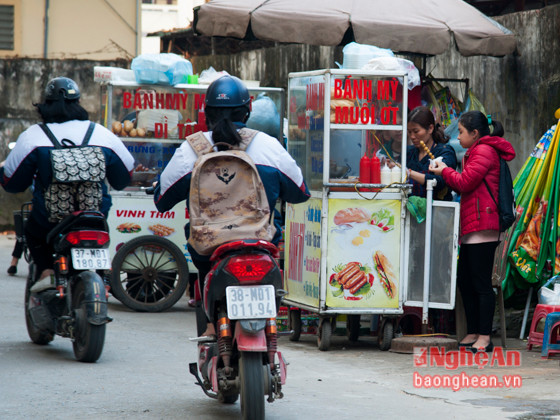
(541, 311)
(550, 340)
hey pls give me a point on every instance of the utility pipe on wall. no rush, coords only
(46, 36)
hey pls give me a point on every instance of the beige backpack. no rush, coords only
(227, 197)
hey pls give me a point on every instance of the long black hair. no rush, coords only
(476, 120)
(221, 121)
(422, 116)
(61, 111)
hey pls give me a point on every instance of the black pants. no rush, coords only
(36, 236)
(203, 265)
(474, 277)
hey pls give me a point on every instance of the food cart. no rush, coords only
(151, 264)
(347, 249)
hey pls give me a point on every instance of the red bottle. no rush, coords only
(375, 176)
(365, 170)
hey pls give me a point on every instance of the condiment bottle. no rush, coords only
(365, 169)
(375, 170)
(396, 174)
(385, 174)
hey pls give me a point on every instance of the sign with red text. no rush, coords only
(302, 256)
(131, 217)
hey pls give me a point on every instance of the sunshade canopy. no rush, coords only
(419, 26)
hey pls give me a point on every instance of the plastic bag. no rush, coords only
(473, 104)
(164, 68)
(549, 294)
(209, 75)
(395, 63)
(357, 55)
(264, 116)
(417, 207)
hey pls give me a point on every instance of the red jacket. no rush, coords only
(478, 210)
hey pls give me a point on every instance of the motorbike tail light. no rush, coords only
(98, 237)
(249, 268)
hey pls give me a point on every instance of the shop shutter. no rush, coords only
(6, 27)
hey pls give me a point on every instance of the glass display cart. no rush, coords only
(347, 247)
(151, 264)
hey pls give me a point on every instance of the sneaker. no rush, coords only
(12, 270)
(44, 284)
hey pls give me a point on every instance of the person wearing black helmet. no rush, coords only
(29, 163)
(227, 108)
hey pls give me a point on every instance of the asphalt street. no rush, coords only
(143, 374)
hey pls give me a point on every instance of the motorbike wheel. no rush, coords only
(150, 274)
(88, 338)
(36, 335)
(295, 324)
(251, 380)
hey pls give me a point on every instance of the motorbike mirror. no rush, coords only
(281, 292)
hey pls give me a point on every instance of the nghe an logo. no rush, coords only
(222, 96)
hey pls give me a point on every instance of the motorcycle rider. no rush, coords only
(29, 163)
(227, 109)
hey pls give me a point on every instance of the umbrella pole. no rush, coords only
(526, 314)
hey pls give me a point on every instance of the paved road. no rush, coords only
(142, 374)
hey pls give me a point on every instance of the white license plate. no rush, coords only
(245, 302)
(91, 259)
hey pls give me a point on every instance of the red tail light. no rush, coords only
(100, 238)
(250, 268)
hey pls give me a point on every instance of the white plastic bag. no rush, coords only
(209, 75)
(357, 55)
(164, 68)
(549, 294)
(395, 63)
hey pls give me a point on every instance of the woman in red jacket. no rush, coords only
(480, 225)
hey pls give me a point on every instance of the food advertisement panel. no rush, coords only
(363, 255)
(132, 216)
(303, 251)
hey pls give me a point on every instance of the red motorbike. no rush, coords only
(242, 294)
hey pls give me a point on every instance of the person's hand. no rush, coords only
(437, 167)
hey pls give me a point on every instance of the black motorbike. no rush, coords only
(77, 307)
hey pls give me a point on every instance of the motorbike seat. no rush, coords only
(255, 244)
(96, 217)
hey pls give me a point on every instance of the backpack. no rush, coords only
(77, 174)
(227, 201)
(506, 197)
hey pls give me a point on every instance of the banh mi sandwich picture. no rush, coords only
(353, 280)
(386, 275)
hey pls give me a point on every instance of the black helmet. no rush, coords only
(227, 92)
(61, 88)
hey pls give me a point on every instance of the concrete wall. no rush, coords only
(522, 91)
(22, 82)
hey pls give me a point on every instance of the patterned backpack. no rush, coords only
(227, 197)
(77, 174)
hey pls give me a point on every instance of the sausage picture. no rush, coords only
(345, 278)
(358, 286)
(355, 280)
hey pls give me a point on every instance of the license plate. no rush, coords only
(91, 259)
(245, 302)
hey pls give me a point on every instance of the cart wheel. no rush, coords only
(149, 274)
(385, 335)
(353, 327)
(325, 333)
(295, 324)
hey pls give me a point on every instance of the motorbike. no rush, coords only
(77, 307)
(242, 294)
